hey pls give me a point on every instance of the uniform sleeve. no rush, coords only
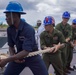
(9, 38)
(62, 40)
(42, 41)
(57, 27)
(29, 41)
(61, 37)
(70, 32)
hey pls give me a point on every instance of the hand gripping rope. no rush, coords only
(3, 56)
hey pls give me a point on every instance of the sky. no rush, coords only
(39, 9)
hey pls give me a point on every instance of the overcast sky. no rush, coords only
(38, 9)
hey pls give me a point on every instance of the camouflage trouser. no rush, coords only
(69, 54)
(55, 60)
(63, 56)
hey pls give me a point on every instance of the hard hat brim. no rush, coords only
(14, 12)
(66, 17)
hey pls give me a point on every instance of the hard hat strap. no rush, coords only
(12, 19)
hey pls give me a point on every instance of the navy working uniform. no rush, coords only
(22, 36)
(24, 40)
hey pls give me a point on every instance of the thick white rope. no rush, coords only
(3, 56)
(39, 52)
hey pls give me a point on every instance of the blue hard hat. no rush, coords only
(14, 6)
(49, 20)
(74, 21)
(66, 14)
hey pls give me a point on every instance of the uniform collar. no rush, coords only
(63, 25)
(21, 25)
(54, 32)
